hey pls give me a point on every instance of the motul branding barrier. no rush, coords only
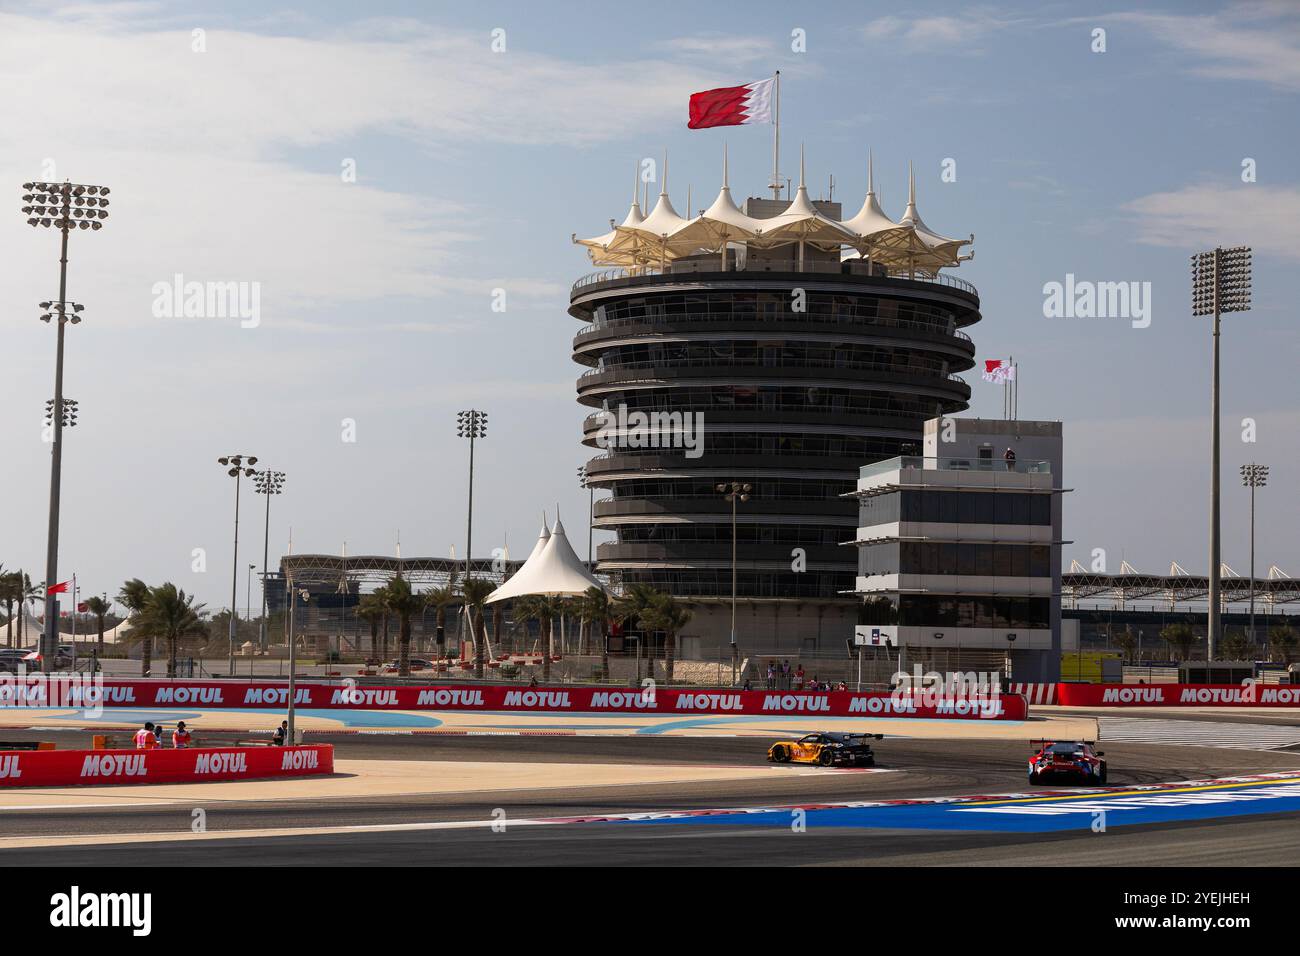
(219, 694)
(1248, 694)
(65, 768)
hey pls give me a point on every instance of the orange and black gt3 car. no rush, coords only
(826, 750)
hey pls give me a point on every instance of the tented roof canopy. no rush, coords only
(553, 570)
(908, 245)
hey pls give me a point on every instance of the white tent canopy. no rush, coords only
(905, 246)
(553, 569)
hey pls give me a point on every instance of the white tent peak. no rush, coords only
(554, 570)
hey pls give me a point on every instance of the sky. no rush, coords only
(379, 172)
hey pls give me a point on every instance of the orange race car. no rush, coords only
(826, 750)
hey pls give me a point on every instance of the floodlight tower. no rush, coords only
(237, 469)
(65, 207)
(1220, 283)
(268, 483)
(1253, 476)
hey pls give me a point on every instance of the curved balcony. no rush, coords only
(950, 387)
(771, 267)
(686, 554)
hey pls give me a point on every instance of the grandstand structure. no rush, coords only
(1177, 589)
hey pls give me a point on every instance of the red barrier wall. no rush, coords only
(67, 768)
(221, 694)
(1178, 695)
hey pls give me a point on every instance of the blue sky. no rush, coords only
(473, 169)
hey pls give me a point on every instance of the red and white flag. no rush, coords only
(733, 105)
(998, 372)
(60, 588)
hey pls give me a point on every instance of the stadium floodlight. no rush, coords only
(69, 412)
(471, 424)
(1220, 283)
(1253, 476)
(266, 482)
(238, 466)
(733, 492)
(50, 205)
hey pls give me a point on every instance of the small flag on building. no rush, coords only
(998, 372)
(733, 105)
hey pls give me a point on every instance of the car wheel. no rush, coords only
(780, 754)
(1034, 781)
(826, 758)
(1102, 776)
(867, 761)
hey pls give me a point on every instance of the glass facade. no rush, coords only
(793, 402)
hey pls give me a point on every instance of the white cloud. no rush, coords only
(194, 146)
(1261, 216)
(1259, 42)
(721, 46)
(928, 33)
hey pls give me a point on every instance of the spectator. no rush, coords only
(281, 734)
(181, 736)
(146, 739)
(1009, 456)
(798, 678)
(748, 684)
(785, 675)
(771, 675)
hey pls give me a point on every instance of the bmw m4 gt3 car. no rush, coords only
(826, 750)
(1067, 762)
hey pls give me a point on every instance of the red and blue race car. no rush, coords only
(1067, 762)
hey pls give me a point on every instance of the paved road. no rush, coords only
(924, 768)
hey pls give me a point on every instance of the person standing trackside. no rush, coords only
(281, 734)
(1009, 456)
(180, 736)
(145, 738)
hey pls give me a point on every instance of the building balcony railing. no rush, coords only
(860, 324)
(756, 265)
(667, 366)
(916, 462)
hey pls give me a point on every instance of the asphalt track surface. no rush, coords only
(451, 828)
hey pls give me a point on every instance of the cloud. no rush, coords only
(732, 49)
(1263, 217)
(196, 147)
(929, 33)
(1258, 42)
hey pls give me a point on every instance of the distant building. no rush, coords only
(960, 547)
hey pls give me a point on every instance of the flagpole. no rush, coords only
(776, 140)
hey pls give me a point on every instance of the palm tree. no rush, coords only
(1282, 641)
(1237, 646)
(405, 602)
(10, 591)
(666, 615)
(370, 610)
(1126, 642)
(171, 614)
(543, 608)
(28, 593)
(1179, 636)
(475, 592)
(99, 607)
(596, 609)
(380, 596)
(134, 596)
(440, 599)
(637, 599)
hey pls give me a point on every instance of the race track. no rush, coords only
(483, 800)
